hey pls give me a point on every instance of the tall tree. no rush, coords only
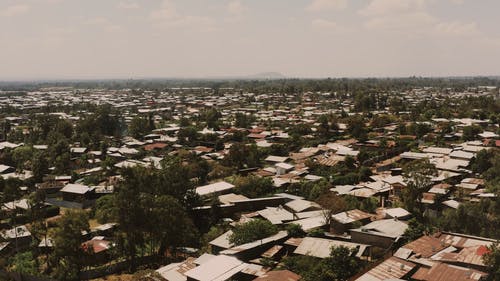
(417, 176)
(68, 256)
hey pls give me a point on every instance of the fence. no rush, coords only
(115, 268)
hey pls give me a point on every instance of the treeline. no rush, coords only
(288, 85)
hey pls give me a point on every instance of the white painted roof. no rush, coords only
(438, 150)
(276, 215)
(284, 166)
(277, 159)
(75, 188)
(214, 188)
(300, 205)
(320, 247)
(215, 268)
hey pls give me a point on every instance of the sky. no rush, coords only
(87, 39)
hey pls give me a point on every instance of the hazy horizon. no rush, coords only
(209, 39)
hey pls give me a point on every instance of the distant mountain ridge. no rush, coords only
(267, 75)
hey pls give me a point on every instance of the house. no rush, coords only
(78, 150)
(424, 247)
(223, 268)
(279, 275)
(283, 168)
(396, 213)
(221, 243)
(18, 236)
(276, 159)
(447, 272)
(391, 269)
(4, 169)
(76, 192)
(98, 247)
(321, 247)
(255, 249)
(175, 271)
(344, 221)
(381, 233)
(217, 188)
(301, 205)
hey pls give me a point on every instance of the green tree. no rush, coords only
(417, 176)
(22, 156)
(252, 231)
(470, 132)
(331, 204)
(188, 135)
(414, 231)
(295, 230)
(24, 263)
(253, 186)
(492, 261)
(39, 166)
(211, 117)
(243, 120)
(139, 127)
(181, 230)
(68, 256)
(243, 156)
(341, 264)
(105, 209)
(356, 127)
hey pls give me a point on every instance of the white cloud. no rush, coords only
(15, 10)
(168, 16)
(411, 18)
(128, 5)
(235, 7)
(103, 23)
(322, 23)
(167, 10)
(386, 7)
(457, 28)
(408, 23)
(96, 21)
(324, 5)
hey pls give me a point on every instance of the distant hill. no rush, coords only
(267, 75)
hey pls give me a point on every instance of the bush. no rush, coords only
(295, 230)
(252, 231)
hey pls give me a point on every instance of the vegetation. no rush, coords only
(252, 231)
(340, 265)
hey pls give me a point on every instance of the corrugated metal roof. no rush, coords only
(213, 188)
(222, 241)
(321, 248)
(240, 248)
(426, 246)
(390, 268)
(279, 275)
(351, 216)
(389, 228)
(464, 241)
(470, 255)
(301, 205)
(215, 268)
(446, 272)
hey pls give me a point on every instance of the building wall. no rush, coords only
(371, 239)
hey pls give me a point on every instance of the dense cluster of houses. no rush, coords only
(443, 256)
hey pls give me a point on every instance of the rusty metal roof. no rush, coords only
(446, 272)
(464, 241)
(279, 275)
(426, 246)
(470, 255)
(390, 268)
